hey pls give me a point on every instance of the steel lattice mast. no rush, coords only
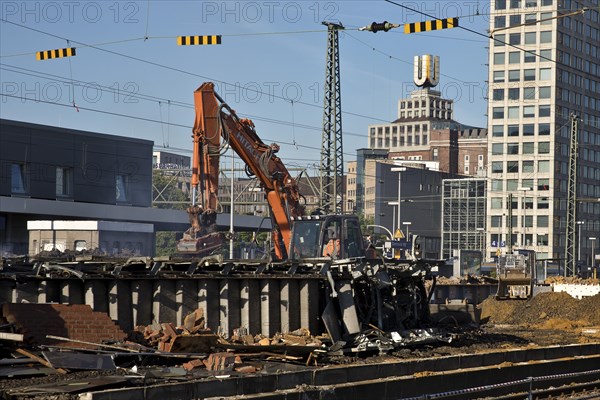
(332, 158)
(571, 232)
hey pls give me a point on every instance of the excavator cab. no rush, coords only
(329, 236)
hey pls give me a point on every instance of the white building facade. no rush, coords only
(544, 66)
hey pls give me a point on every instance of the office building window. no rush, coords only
(498, 130)
(497, 185)
(498, 112)
(527, 166)
(530, 37)
(499, 58)
(18, 178)
(512, 166)
(496, 221)
(544, 110)
(121, 188)
(498, 76)
(499, 22)
(543, 203)
(514, 93)
(500, 5)
(512, 148)
(529, 75)
(543, 184)
(545, 74)
(497, 149)
(544, 92)
(544, 148)
(528, 111)
(543, 166)
(546, 37)
(513, 112)
(546, 55)
(529, 57)
(514, 75)
(528, 148)
(499, 40)
(498, 94)
(514, 38)
(496, 203)
(513, 130)
(529, 93)
(528, 129)
(64, 182)
(544, 129)
(514, 57)
(497, 167)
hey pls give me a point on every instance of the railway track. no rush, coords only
(549, 372)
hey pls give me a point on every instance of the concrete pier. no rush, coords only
(259, 304)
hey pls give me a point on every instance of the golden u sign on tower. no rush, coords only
(427, 70)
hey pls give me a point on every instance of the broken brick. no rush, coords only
(219, 361)
(194, 319)
(246, 369)
(190, 365)
(169, 330)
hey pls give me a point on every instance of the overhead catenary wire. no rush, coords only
(152, 98)
(482, 34)
(179, 70)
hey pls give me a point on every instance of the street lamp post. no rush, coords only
(524, 190)
(391, 236)
(399, 170)
(480, 240)
(593, 239)
(579, 223)
(394, 204)
(407, 223)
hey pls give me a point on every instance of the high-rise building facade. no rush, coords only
(544, 65)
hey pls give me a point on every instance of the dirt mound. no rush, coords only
(553, 309)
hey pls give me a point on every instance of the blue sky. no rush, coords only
(276, 47)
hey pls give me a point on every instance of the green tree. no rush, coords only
(166, 194)
(166, 243)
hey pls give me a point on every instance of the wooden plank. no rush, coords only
(69, 360)
(40, 360)
(16, 337)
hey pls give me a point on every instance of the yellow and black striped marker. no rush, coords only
(432, 25)
(58, 53)
(198, 40)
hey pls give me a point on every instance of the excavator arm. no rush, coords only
(215, 120)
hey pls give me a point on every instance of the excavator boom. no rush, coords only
(215, 120)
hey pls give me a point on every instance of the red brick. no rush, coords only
(193, 364)
(76, 321)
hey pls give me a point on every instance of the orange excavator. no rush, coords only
(365, 291)
(215, 127)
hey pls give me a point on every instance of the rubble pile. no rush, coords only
(571, 280)
(543, 309)
(191, 337)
